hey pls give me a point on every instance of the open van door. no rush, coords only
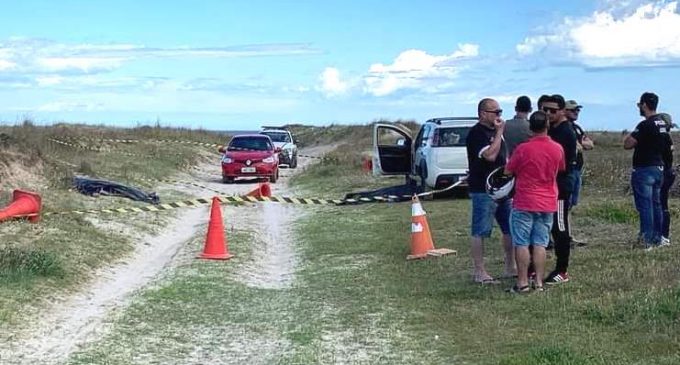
(391, 150)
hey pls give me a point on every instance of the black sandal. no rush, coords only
(519, 289)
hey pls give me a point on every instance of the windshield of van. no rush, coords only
(451, 137)
(250, 144)
(278, 136)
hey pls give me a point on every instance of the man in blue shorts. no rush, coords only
(486, 151)
(535, 165)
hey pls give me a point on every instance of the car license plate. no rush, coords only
(247, 169)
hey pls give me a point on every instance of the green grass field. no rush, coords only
(356, 300)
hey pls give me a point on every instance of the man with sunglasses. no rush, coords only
(648, 141)
(583, 143)
(486, 152)
(561, 132)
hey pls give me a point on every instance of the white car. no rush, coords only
(437, 155)
(284, 140)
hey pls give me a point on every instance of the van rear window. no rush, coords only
(450, 137)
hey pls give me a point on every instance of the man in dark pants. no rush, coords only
(562, 133)
(668, 178)
(648, 141)
(583, 143)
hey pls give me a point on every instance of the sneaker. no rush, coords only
(557, 278)
(665, 242)
(575, 242)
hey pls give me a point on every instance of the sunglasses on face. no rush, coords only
(550, 110)
(497, 112)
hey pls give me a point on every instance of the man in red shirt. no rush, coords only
(535, 165)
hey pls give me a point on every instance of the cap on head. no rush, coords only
(666, 118)
(571, 105)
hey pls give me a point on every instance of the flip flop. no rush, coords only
(519, 289)
(488, 281)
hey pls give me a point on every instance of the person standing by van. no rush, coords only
(517, 129)
(486, 151)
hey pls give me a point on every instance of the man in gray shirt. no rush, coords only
(517, 128)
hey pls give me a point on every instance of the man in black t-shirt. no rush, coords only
(486, 151)
(572, 110)
(668, 178)
(649, 144)
(561, 132)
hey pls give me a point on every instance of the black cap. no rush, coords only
(523, 104)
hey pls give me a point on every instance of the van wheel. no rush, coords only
(274, 177)
(227, 179)
(293, 162)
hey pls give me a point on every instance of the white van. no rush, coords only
(437, 156)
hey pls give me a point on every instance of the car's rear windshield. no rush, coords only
(278, 136)
(451, 136)
(250, 144)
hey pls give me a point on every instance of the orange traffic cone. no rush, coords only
(263, 190)
(25, 204)
(421, 239)
(216, 243)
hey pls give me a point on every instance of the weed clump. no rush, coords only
(16, 262)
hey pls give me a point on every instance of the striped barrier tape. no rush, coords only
(94, 149)
(248, 199)
(130, 141)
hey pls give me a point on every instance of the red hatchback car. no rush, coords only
(250, 155)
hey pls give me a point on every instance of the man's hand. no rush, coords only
(587, 143)
(499, 124)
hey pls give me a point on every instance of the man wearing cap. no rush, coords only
(668, 178)
(584, 143)
(517, 129)
(648, 141)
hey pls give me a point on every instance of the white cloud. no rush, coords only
(6, 65)
(84, 64)
(416, 69)
(331, 83)
(49, 80)
(68, 106)
(31, 55)
(647, 35)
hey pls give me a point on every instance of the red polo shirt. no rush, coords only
(535, 164)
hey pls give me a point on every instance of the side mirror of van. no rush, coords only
(220, 149)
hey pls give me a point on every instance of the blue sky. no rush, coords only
(241, 64)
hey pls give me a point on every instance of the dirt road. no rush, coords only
(71, 323)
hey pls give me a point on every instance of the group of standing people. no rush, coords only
(543, 152)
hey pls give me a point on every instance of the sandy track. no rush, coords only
(71, 323)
